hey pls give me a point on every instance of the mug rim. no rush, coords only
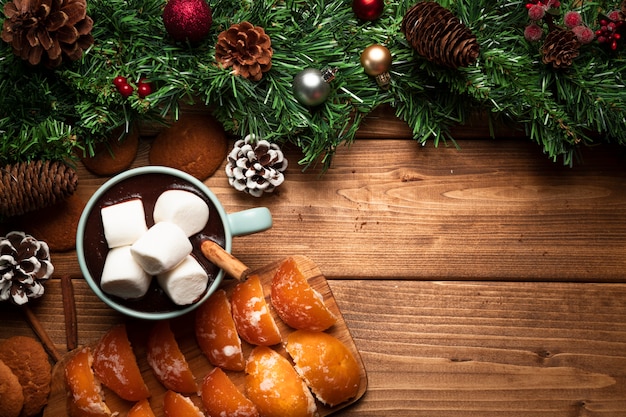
(89, 207)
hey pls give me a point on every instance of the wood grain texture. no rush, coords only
(491, 210)
(454, 348)
(488, 348)
(480, 281)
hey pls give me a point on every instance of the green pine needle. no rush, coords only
(62, 113)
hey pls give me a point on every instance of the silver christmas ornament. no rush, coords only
(310, 87)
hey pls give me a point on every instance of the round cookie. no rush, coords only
(11, 394)
(29, 362)
(195, 144)
(56, 225)
(113, 156)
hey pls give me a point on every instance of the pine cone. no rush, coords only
(255, 166)
(246, 48)
(24, 264)
(560, 48)
(439, 36)
(46, 30)
(29, 186)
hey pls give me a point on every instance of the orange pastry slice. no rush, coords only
(217, 335)
(326, 364)
(221, 397)
(115, 364)
(274, 386)
(252, 315)
(177, 405)
(167, 361)
(85, 398)
(297, 303)
(141, 409)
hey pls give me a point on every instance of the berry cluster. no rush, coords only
(609, 32)
(539, 10)
(125, 89)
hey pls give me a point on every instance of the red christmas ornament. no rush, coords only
(368, 9)
(125, 90)
(144, 89)
(119, 81)
(187, 19)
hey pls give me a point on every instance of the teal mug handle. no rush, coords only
(249, 221)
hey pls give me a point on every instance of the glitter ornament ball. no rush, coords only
(368, 9)
(187, 19)
(310, 88)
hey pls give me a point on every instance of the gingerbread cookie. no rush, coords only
(11, 394)
(28, 360)
(196, 144)
(56, 225)
(114, 155)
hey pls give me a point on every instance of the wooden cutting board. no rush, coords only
(183, 328)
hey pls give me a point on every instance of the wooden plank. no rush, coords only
(491, 210)
(449, 349)
(453, 348)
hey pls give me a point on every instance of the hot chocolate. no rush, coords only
(148, 188)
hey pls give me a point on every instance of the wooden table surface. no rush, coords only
(480, 281)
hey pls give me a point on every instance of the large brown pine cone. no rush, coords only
(560, 48)
(439, 36)
(29, 186)
(47, 30)
(246, 48)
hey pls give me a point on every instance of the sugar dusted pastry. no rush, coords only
(177, 405)
(252, 315)
(161, 248)
(167, 361)
(186, 282)
(275, 388)
(115, 364)
(297, 303)
(85, 397)
(122, 276)
(326, 364)
(124, 222)
(183, 208)
(221, 397)
(216, 333)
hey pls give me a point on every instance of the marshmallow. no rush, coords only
(161, 248)
(123, 222)
(122, 276)
(185, 283)
(183, 208)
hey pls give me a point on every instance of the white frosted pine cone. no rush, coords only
(24, 264)
(255, 166)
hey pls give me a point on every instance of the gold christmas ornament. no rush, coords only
(47, 30)
(376, 61)
(246, 48)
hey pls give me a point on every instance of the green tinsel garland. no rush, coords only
(50, 114)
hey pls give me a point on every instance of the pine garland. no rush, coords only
(56, 114)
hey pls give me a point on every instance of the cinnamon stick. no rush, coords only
(69, 312)
(40, 331)
(231, 265)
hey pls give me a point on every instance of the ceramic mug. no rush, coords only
(148, 183)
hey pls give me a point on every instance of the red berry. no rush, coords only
(144, 89)
(119, 81)
(125, 90)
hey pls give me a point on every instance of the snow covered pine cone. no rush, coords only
(24, 264)
(255, 166)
